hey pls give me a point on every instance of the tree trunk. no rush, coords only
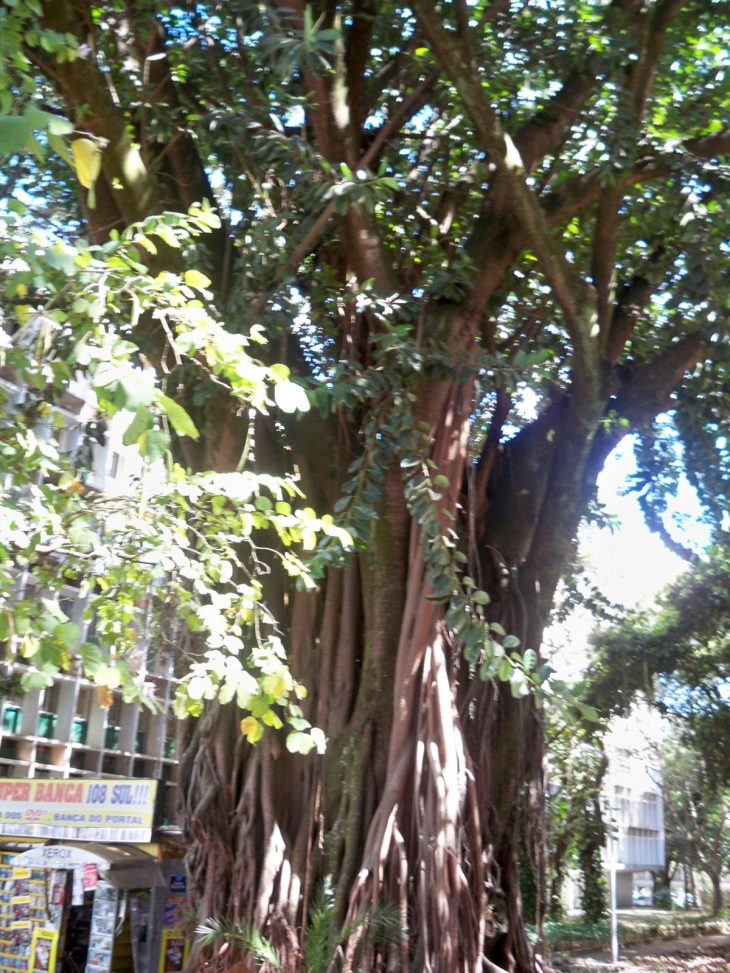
(558, 865)
(695, 889)
(716, 883)
(416, 802)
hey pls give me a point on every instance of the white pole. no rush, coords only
(612, 850)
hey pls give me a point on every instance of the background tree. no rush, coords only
(488, 240)
(676, 655)
(576, 834)
(697, 815)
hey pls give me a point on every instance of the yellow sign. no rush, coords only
(43, 951)
(173, 952)
(81, 810)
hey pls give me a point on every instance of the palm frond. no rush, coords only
(218, 932)
(321, 939)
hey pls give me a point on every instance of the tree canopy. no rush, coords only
(465, 249)
(677, 657)
(697, 813)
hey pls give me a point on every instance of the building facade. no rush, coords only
(91, 876)
(634, 811)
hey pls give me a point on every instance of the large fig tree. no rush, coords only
(488, 239)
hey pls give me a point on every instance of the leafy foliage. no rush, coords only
(678, 656)
(575, 831)
(697, 813)
(185, 543)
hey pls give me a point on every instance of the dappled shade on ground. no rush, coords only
(705, 954)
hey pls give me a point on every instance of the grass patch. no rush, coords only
(579, 933)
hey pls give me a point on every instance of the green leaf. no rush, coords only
(109, 676)
(529, 659)
(36, 680)
(153, 444)
(198, 686)
(252, 729)
(68, 633)
(281, 372)
(59, 126)
(297, 742)
(87, 161)
(91, 657)
(82, 537)
(518, 684)
(472, 653)
(226, 693)
(291, 397)
(131, 391)
(179, 419)
(496, 650)
(54, 609)
(59, 146)
(141, 422)
(194, 278)
(589, 713)
(486, 670)
(15, 133)
(167, 235)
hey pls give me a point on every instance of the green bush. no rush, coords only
(569, 933)
(662, 899)
(581, 932)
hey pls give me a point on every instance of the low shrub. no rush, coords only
(581, 933)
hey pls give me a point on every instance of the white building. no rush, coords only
(633, 805)
(63, 731)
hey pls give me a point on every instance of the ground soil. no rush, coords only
(697, 954)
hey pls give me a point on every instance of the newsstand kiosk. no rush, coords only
(83, 886)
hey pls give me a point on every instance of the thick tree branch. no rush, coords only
(582, 191)
(646, 389)
(642, 77)
(603, 261)
(356, 57)
(544, 132)
(314, 231)
(631, 302)
(86, 92)
(546, 129)
(320, 114)
(572, 197)
(181, 161)
(655, 523)
(571, 293)
(493, 10)
(404, 111)
(709, 146)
